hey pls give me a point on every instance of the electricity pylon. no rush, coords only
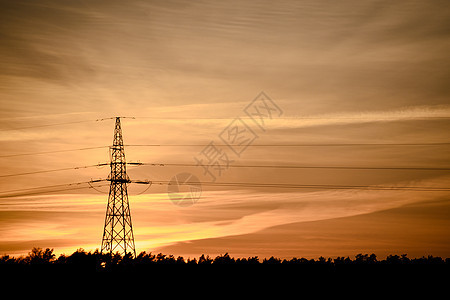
(118, 232)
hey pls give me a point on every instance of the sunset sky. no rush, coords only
(341, 76)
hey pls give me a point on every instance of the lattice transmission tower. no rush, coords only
(118, 231)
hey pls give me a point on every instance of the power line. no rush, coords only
(76, 186)
(315, 186)
(47, 125)
(53, 151)
(232, 145)
(113, 118)
(59, 124)
(53, 191)
(48, 186)
(44, 189)
(235, 166)
(297, 118)
(51, 170)
(292, 145)
(228, 118)
(296, 167)
(62, 187)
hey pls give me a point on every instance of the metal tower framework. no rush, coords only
(118, 231)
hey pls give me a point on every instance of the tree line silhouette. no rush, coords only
(83, 260)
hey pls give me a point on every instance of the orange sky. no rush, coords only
(351, 72)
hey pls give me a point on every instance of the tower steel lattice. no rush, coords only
(118, 231)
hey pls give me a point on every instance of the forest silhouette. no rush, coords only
(39, 259)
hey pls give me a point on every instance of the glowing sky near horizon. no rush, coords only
(349, 72)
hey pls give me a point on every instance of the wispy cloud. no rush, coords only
(257, 212)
